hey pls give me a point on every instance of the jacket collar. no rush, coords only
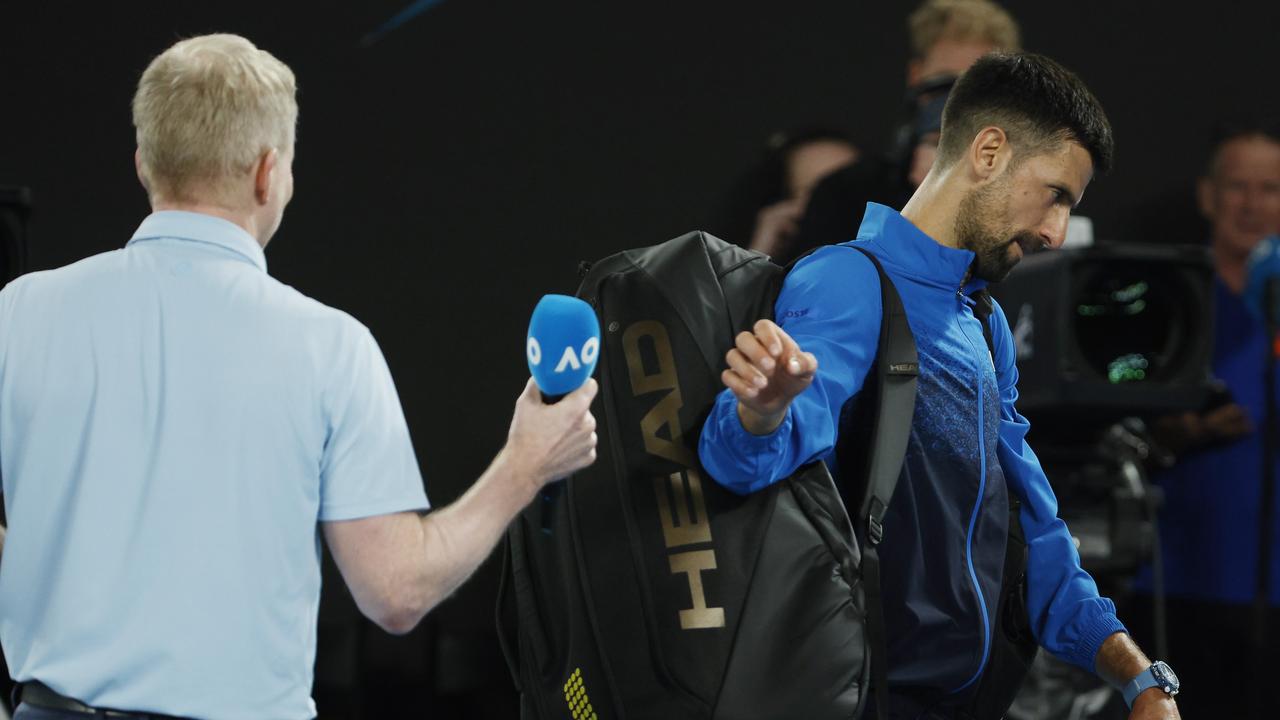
(910, 252)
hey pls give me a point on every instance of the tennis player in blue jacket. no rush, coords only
(1021, 139)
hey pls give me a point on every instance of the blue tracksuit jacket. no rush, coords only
(946, 528)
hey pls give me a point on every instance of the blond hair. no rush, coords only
(963, 20)
(205, 111)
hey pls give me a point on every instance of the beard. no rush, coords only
(983, 229)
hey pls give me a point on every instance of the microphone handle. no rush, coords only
(550, 494)
(551, 491)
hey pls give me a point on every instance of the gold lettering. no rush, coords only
(686, 527)
(667, 412)
(692, 563)
(665, 377)
(688, 524)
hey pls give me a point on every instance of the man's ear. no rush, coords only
(137, 168)
(989, 153)
(264, 175)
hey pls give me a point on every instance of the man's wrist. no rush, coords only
(509, 464)
(1120, 660)
(1154, 702)
(1158, 676)
(757, 423)
(1151, 695)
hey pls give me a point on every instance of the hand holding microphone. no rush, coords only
(553, 431)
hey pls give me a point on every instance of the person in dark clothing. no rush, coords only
(835, 207)
(765, 205)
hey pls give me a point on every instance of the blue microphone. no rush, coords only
(562, 346)
(1262, 281)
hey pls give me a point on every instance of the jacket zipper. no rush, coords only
(977, 506)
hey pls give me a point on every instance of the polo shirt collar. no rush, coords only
(201, 228)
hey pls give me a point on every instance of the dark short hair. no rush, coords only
(1036, 101)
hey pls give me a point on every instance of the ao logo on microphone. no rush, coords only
(569, 360)
(563, 344)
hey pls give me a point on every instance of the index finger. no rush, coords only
(770, 336)
(776, 337)
(579, 400)
(530, 392)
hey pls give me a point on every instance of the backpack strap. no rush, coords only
(897, 366)
(983, 306)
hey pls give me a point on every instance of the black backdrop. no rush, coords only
(457, 169)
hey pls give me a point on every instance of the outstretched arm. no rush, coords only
(401, 565)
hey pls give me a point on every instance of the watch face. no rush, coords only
(1163, 675)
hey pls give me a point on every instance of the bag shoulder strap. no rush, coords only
(982, 308)
(897, 367)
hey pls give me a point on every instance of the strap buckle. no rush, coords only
(875, 521)
(875, 529)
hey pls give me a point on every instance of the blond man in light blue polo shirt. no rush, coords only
(177, 428)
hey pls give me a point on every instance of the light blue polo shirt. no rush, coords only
(173, 424)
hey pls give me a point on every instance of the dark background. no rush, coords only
(455, 170)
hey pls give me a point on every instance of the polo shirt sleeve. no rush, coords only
(830, 305)
(368, 466)
(1068, 616)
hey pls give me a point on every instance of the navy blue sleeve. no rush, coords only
(1068, 616)
(830, 305)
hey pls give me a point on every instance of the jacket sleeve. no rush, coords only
(830, 305)
(1068, 616)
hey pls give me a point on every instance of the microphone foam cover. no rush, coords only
(563, 344)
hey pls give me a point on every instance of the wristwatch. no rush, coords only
(1158, 675)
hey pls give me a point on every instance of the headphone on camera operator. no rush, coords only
(922, 118)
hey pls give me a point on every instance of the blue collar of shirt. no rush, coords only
(197, 227)
(912, 253)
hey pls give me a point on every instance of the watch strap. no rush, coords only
(1145, 680)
